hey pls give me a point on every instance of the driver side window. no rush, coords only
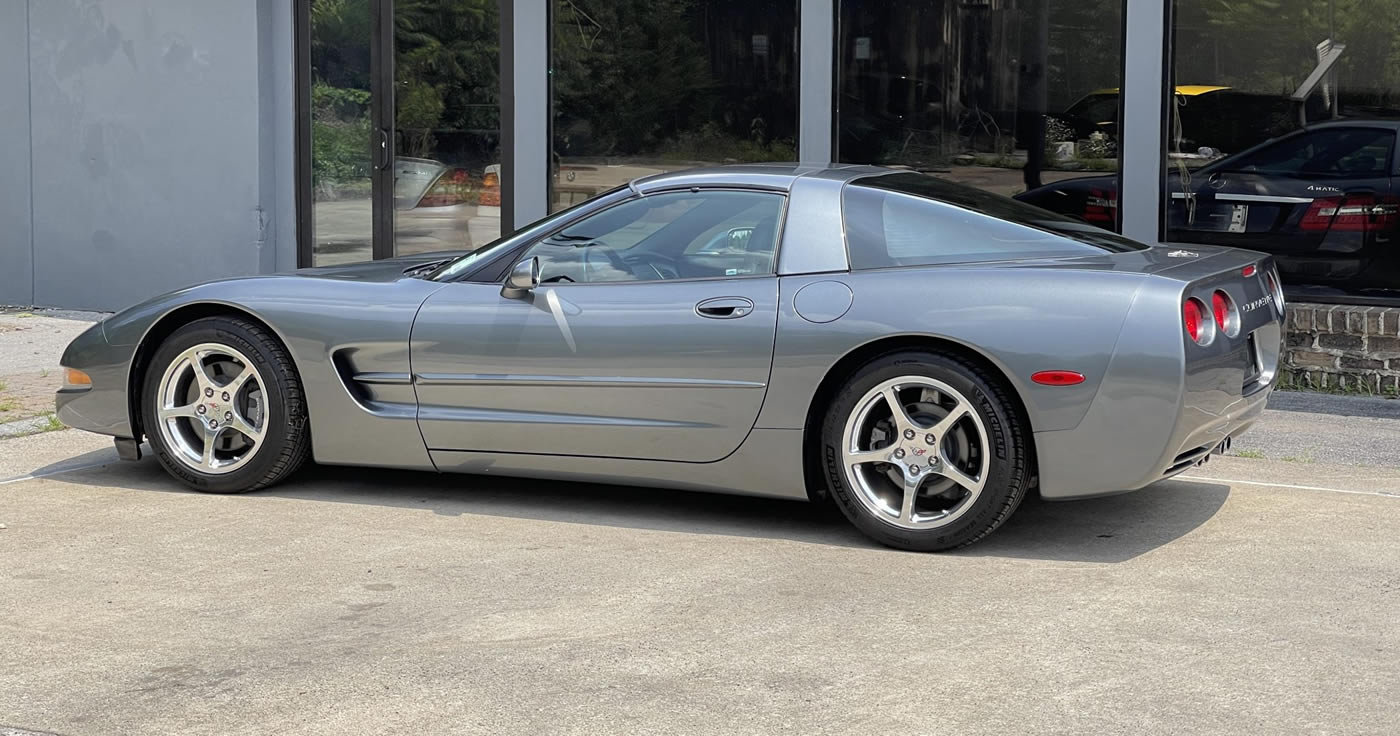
(671, 235)
(1326, 152)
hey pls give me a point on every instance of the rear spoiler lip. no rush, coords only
(1202, 264)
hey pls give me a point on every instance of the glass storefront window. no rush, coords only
(1016, 97)
(640, 87)
(447, 159)
(1272, 149)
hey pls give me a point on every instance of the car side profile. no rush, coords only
(920, 354)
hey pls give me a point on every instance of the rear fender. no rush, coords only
(1022, 320)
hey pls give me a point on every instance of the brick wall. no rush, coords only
(1331, 346)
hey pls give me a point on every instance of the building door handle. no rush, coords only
(381, 149)
(725, 307)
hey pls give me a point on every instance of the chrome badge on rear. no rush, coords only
(1257, 303)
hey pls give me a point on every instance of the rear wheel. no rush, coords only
(924, 451)
(223, 407)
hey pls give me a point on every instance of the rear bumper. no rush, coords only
(1202, 439)
(1073, 466)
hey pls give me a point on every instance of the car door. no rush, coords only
(647, 336)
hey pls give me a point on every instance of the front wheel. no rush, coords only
(924, 451)
(223, 407)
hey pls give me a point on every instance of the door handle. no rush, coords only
(725, 307)
(381, 150)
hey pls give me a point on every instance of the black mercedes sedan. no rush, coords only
(1323, 200)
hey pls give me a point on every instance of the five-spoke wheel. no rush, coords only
(915, 452)
(223, 406)
(925, 451)
(212, 411)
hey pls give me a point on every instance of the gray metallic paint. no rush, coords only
(757, 469)
(560, 383)
(641, 375)
(101, 408)
(361, 322)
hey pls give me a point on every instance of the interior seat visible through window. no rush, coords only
(670, 235)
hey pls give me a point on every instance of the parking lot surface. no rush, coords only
(1258, 594)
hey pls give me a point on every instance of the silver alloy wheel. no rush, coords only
(211, 412)
(915, 452)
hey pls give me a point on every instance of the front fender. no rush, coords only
(330, 326)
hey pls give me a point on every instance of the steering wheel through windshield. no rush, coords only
(663, 266)
(599, 260)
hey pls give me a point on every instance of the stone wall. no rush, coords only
(1342, 347)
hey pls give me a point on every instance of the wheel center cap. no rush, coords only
(918, 455)
(217, 412)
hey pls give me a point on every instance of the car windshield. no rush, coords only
(1002, 208)
(1099, 108)
(456, 268)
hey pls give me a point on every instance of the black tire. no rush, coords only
(286, 442)
(1008, 474)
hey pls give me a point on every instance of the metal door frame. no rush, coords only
(381, 123)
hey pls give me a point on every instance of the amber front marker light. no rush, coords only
(74, 378)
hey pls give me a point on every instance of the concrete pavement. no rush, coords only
(30, 346)
(1262, 600)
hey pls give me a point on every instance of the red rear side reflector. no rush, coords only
(1057, 378)
(1248, 271)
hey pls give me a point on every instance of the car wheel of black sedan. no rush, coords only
(923, 451)
(223, 407)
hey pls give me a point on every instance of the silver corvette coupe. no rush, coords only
(919, 354)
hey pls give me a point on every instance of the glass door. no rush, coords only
(343, 101)
(402, 128)
(447, 160)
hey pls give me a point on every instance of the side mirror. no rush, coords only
(523, 278)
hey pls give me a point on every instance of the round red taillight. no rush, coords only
(1198, 326)
(1192, 314)
(1221, 307)
(1227, 318)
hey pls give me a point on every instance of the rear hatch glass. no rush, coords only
(909, 219)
